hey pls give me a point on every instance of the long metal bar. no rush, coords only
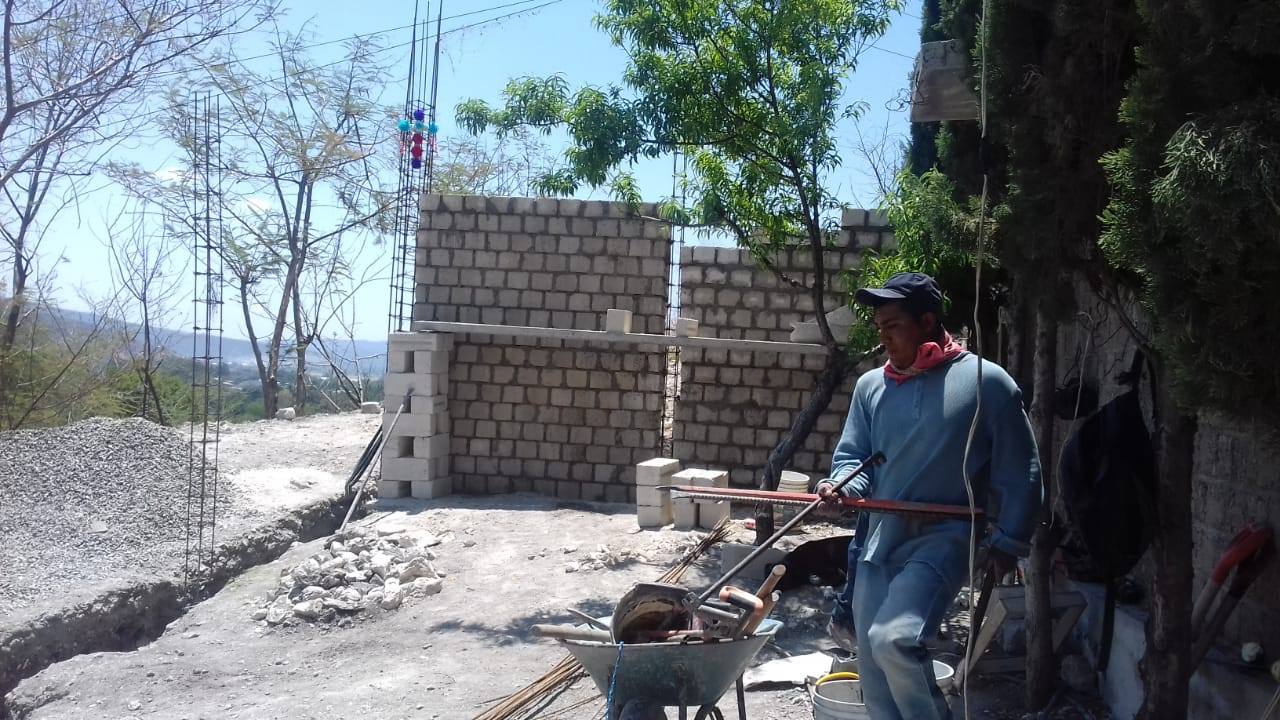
(875, 459)
(773, 497)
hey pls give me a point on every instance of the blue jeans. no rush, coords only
(895, 610)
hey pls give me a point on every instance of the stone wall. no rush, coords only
(735, 406)
(563, 418)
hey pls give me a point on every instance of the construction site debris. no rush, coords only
(94, 502)
(359, 568)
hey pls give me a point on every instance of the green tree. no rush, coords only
(1195, 219)
(751, 91)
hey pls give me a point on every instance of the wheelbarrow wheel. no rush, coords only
(642, 710)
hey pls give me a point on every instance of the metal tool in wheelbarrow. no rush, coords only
(720, 611)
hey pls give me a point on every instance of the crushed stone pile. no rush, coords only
(360, 569)
(91, 503)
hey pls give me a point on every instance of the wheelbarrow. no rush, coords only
(671, 674)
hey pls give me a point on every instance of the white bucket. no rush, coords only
(839, 700)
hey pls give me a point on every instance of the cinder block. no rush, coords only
(399, 360)
(618, 321)
(710, 513)
(652, 496)
(657, 471)
(430, 361)
(686, 327)
(653, 517)
(428, 489)
(684, 513)
(692, 476)
(395, 385)
(434, 446)
(420, 340)
(393, 489)
(414, 469)
(714, 478)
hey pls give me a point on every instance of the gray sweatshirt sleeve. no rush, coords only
(854, 447)
(1015, 479)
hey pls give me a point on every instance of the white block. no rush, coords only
(692, 476)
(421, 425)
(618, 321)
(652, 497)
(420, 341)
(395, 385)
(710, 513)
(706, 478)
(653, 517)
(430, 361)
(392, 489)
(684, 513)
(428, 489)
(414, 469)
(399, 360)
(657, 471)
(686, 327)
(435, 446)
(370, 408)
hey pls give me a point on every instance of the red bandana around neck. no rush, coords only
(928, 356)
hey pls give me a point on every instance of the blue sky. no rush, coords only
(477, 63)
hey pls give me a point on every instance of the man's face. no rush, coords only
(901, 334)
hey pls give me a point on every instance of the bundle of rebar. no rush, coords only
(525, 702)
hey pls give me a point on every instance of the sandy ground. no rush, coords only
(443, 656)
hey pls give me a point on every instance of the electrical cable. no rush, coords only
(977, 334)
(302, 71)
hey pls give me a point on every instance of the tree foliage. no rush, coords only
(1196, 212)
(751, 90)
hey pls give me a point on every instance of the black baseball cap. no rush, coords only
(915, 290)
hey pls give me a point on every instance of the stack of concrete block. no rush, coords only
(415, 458)
(711, 512)
(654, 506)
(688, 513)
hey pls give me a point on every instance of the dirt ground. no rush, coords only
(507, 562)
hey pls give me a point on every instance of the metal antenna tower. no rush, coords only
(206, 343)
(417, 165)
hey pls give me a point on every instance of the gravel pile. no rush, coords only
(359, 569)
(88, 503)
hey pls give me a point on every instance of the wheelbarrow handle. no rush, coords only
(874, 460)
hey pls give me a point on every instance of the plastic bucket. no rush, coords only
(942, 672)
(838, 700)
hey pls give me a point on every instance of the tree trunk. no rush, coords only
(833, 375)
(1041, 667)
(1166, 667)
(300, 353)
(263, 379)
(12, 316)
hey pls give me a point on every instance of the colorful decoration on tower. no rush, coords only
(414, 128)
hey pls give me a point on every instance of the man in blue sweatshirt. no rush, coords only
(918, 410)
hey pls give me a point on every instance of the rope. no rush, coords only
(613, 682)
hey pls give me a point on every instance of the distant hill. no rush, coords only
(372, 354)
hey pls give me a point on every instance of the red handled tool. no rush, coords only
(898, 507)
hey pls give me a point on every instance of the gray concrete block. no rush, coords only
(684, 514)
(393, 489)
(733, 553)
(428, 489)
(711, 513)
(657, 471)
(653, 517)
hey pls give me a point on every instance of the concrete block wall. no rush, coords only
(735, 406)
(542, 262)
(560, 418)
(415, 459)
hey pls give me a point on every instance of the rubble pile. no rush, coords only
(360, 569)
(604, 558)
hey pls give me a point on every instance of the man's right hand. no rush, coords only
(830, 498)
